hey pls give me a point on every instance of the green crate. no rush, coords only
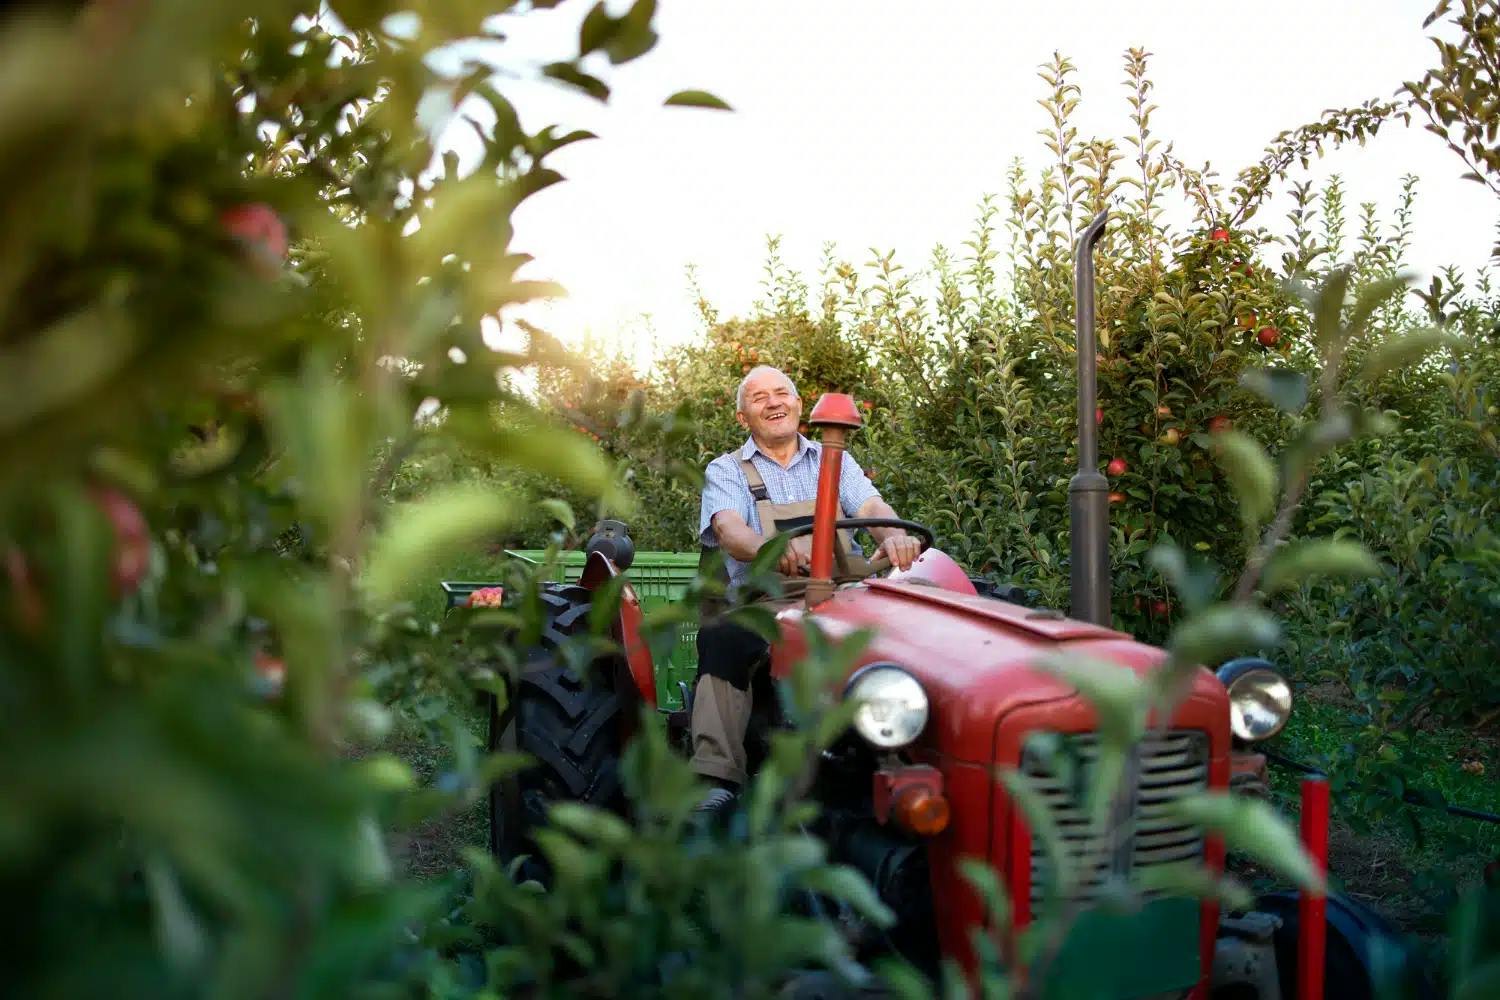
(658, 578)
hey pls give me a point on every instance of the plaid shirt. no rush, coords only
(725, 488)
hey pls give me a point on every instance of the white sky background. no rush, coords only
(881, 124)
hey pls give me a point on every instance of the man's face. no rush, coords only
(772, 409)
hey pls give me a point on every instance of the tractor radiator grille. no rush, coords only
(1173, 765)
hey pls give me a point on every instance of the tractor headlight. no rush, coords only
(893, 706)
(1260, 699)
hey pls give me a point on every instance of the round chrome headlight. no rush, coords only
(892, 705)
(1260, 699)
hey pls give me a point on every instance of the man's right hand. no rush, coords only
(796, 556)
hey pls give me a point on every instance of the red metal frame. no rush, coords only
(1018, 871)
(835, 414)
(626, 629)
(891, 782)
(1312, 917)
(826, 508)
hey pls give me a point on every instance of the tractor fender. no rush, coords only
(938, 569)
(626, 629)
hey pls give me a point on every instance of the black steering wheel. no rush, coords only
(880, 563)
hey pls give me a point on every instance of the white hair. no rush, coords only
(739, 394)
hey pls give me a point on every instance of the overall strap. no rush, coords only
(756, 483)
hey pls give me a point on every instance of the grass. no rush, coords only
(1406, 861)
(435, 848)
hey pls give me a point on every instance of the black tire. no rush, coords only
(1355, 937)
(568, 723)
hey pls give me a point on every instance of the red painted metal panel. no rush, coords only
(826, 507)
(627, 628)
(937, 568)
(837, 409)
(1312, 917)
(974, 657)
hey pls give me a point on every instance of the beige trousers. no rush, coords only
(721, 715)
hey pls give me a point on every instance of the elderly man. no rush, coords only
(772, 477)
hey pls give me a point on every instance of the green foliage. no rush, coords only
(246, 406)
(203, 580)
(1460, 96)
(659, 902)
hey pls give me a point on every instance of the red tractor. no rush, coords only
(951, 695)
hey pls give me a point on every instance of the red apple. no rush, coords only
(486, 597)
(259, 231)
(1219, 423)
(1219, 235)
(1117, 498)
(866, 405)
(1117, 467)
(1159, 608)
(1268, 336)
(1098, 414)
(132, 538)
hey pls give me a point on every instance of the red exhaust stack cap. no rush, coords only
(835, 409)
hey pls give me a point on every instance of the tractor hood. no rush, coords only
(973, 655)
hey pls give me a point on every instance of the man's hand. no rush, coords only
(901, 550)
(797, 555)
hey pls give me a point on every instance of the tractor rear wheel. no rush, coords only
(569, 724)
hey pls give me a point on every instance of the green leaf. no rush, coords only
(849, 885)
(1479, 983)
(560, 510)
(1250, 474)
(596, 30)
(1328, 309)
(986, 882)
(1212, 636)
(1043, 826)
(634, 37)
(696, 99)
(1193, 583)
(1371, 298)
(1399, 352)
(1251, 826)
(589, 824)
(1193, 881)
(570, 74)
(902, 980)
(178, 931)
(1291, 564)
(418, 536)
(1114, 691)
(1281, 387)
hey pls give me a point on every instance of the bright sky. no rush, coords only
(881, 124)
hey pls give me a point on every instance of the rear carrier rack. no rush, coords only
(1173, 766)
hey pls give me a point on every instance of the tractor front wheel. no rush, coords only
(1365, 956)
(568, 723)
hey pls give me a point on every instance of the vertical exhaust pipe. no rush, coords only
(1088, 492)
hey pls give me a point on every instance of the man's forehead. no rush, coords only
(768, 382)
